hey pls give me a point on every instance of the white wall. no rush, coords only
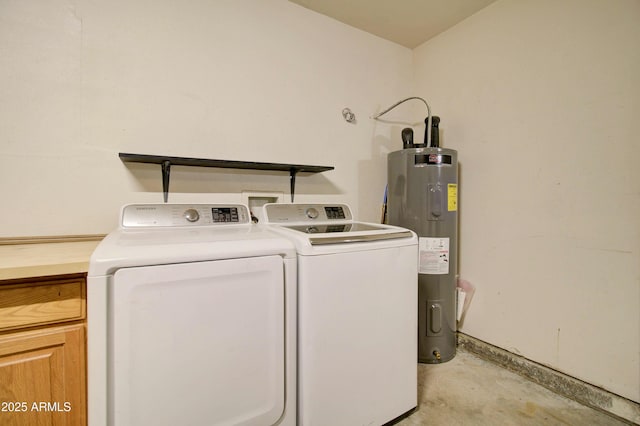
(250, 80)
(541, 99)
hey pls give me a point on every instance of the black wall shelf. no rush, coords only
(166, 163)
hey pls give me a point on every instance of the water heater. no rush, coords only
(423, 196)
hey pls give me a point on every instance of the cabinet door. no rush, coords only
(42, 377)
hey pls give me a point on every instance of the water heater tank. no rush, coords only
(423, 196)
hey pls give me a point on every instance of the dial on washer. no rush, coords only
(191, 215)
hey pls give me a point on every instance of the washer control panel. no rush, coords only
(169, 215)
(306, 213)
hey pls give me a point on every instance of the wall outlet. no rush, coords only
(256, 199)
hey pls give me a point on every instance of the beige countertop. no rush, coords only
(46, 259)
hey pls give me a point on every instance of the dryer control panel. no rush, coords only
(174, 215)
(306, 213)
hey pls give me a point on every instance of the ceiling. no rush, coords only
(406, 22)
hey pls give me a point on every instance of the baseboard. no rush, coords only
(562, 384)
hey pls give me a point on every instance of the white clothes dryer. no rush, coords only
(357, 315)
(191, 320)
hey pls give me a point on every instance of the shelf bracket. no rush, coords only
(292, 181)
(166, 174)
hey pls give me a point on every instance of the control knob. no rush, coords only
(311, 213)
(191, 215)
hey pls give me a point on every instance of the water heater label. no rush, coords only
(434, 256)
(452, 197)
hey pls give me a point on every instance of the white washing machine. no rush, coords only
(191, 320)
(357, 315)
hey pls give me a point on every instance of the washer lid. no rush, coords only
(348, 233)
(325, 224)
(335, 228)
(320, 240)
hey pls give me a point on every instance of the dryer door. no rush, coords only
(197, 343)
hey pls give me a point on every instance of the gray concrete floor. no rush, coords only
(470, 391)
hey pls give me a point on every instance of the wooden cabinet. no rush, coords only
(42, 352)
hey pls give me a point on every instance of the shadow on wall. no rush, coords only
(374, 169)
